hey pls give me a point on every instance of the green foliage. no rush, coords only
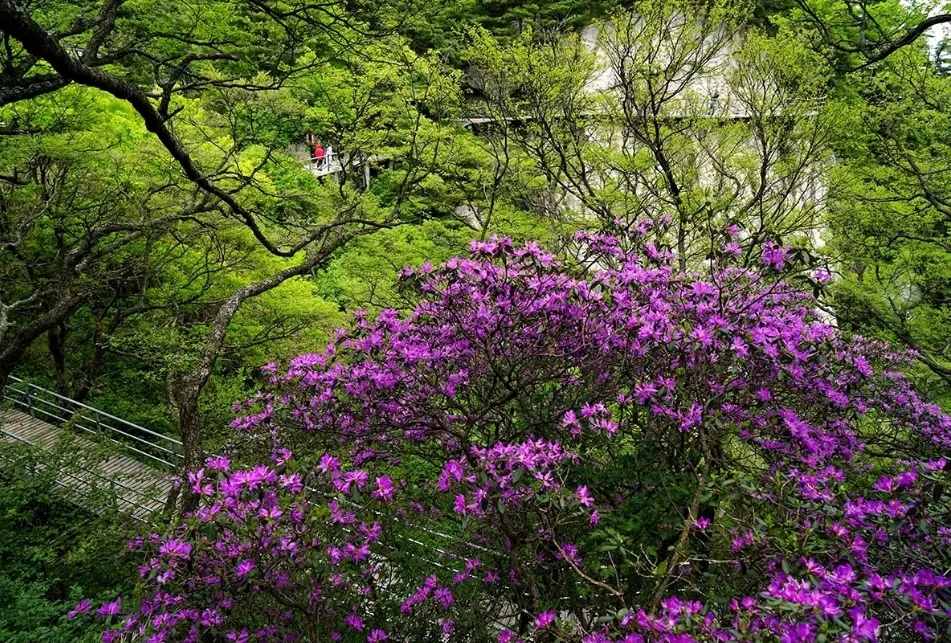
(392, 82)
(709, 122)
(889, 224)
(853, 35)
(365, 275)
(51, 552)
(506, 17)
(442, 25)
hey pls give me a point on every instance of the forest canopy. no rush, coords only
(480, 320)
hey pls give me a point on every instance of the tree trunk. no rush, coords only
(186, 394)
(682, 243)
(56, 343)
(4, 378)
(5, 371)
(185, 390)
(90, 372)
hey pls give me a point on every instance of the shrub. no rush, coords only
(609, 449)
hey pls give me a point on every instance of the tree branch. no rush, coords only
(41, 44)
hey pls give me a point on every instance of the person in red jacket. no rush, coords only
(318, 154)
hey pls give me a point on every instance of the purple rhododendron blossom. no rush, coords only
(82, 607)
(775, 256)
(544, 619)
(110, 608)
(648, 453)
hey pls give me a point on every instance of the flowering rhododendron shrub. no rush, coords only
(600, 449)
(271, 555)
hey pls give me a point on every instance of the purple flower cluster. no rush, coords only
(259, 560)
(612, 431)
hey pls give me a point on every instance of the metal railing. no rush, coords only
(143, 444)
(77, 488)
(166, 451)
(336, 163)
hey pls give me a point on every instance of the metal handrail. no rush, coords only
(77, 418)
(73, 417)
(339, 161)
(87, 483)
(37, 400)
(13, 378)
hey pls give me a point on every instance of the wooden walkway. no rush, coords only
(140, 490)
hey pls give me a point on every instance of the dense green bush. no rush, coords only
(52, 552)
